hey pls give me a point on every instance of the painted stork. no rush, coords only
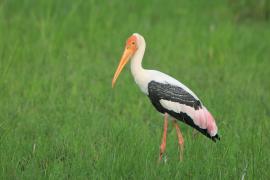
(169, 96)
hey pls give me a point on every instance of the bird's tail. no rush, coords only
(201, 119)
(211, 125)
(206, 124)
(215, 138)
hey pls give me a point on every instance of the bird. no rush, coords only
(169, 96)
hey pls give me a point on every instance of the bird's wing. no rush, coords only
(163, 78)
(173, 93)
(176, 101)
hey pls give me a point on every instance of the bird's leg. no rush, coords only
(180, 139)
(163, 142)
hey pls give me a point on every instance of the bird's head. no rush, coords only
(130, 49)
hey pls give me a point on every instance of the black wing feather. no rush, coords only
(172, 93)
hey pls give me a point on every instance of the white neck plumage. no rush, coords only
(136, 61)
(138, 72)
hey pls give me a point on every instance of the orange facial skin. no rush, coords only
(130, 48)
(132, 43)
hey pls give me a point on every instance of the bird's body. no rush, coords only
(168, 95)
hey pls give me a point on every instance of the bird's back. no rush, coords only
(165, 78)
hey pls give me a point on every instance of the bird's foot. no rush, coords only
(162, 158)
(181, 154)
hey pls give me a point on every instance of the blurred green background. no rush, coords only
(60, 119)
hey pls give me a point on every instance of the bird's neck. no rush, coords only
(138, 72)
(136, 61)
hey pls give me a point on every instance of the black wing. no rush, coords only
(158, 91)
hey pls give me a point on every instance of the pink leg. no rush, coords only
(163, 142)
(180, 139)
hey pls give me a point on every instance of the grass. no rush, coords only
(59, 117)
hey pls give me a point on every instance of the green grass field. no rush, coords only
(60, 118)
